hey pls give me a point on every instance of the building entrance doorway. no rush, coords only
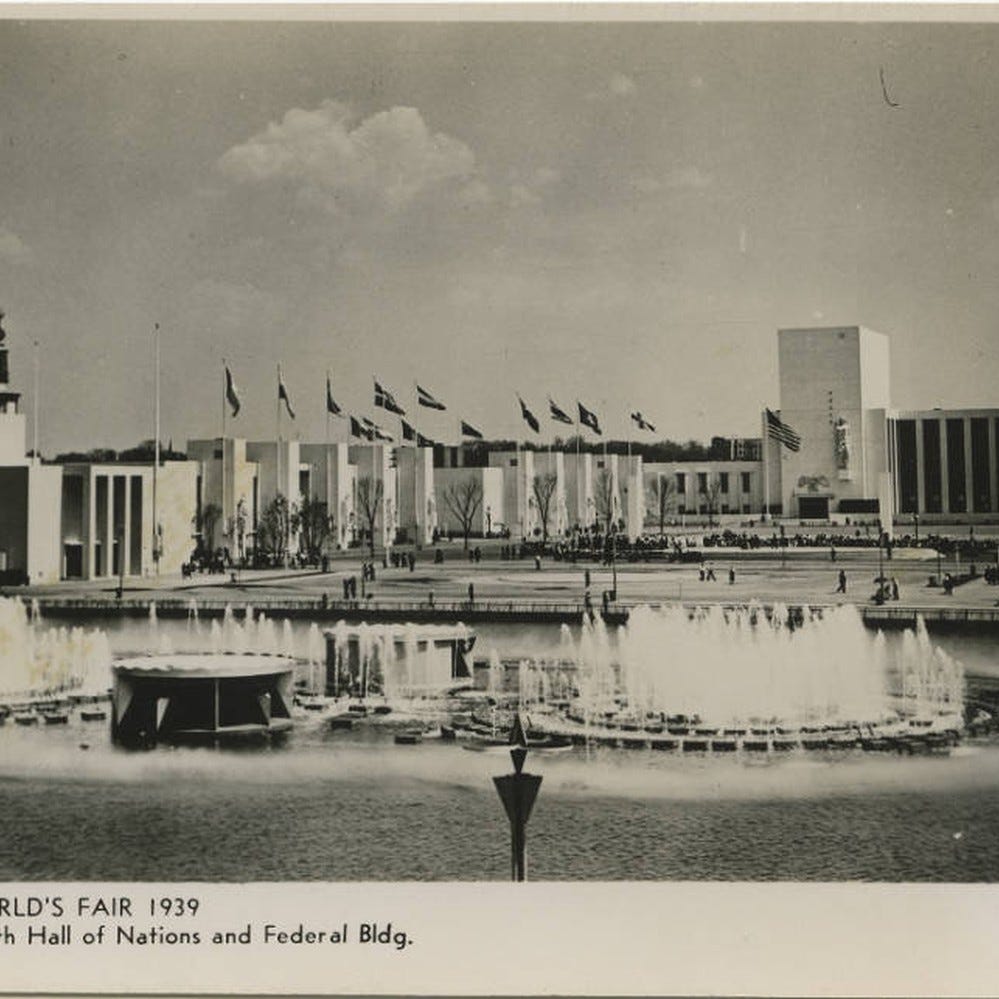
(813, 507)
(72, 561)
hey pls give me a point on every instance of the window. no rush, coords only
(702, 482)
(746, 484)
(955, 466)
(681, 483)
(723, 482)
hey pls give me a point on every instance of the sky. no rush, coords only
(622, 214)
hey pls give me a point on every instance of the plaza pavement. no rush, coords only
(804, 575)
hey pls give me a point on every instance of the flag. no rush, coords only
(283, 395)
(331, 407)
(529, 417)
(558, 414)
(588, 419)
(424, 398)
(386, 400)
(410, 433)
(467, 430)
(779, 431)
(231, 395)
(358, 430)
(643, 424)
(375, 431)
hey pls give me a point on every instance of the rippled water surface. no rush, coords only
(353, 806)
(326, 807)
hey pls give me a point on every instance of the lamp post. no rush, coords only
(879, 597)
(518, 792)
(915, 524)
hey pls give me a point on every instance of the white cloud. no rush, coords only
(389, 158)
(621, 85)
(13, 249)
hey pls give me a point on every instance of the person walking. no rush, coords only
(842, 581)
(471, 594)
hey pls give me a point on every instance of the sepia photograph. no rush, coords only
(495, 447)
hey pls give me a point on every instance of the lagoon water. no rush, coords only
(333, 806)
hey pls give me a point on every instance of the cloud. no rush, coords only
(388, 158)
(621, 85)
(13, 249)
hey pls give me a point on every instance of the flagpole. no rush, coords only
(416, 455)
(277, 441)
(222, 439)
(156, 454)
(34, 419)
(766, 466)
(580, 502)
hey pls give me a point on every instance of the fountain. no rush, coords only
(734, 672)
(37, 662)
(399, 662)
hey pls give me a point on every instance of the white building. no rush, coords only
(835, 394)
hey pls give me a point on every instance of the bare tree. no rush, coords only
(369, 501)
(710, 496)
(205, 522)
(543, 488)
(313, 524)
(662, 493)
(273, 528)
(463, 500)
(603, 491)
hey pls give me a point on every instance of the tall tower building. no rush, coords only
(13, 427)
(30, 495)
(834, 393)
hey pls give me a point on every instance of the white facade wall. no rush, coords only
(416, 501)
(518, 501)
(553, 463)
(736, 501)
(830, 376)
(332, 481)
(373, 464)
(237, 497)
(490, 512)
(13, 437)
(580, 504)
(632, 484)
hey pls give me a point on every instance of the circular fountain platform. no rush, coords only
(200, 697)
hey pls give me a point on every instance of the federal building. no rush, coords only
(833, 449)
